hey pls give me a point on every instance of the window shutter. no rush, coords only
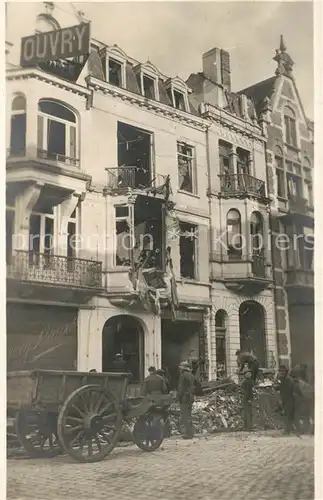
(40, 132)
(72, 152)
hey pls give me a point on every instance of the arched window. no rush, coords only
(234, 237)
(57, 132)
(257, 232)
(18, 126)
(220, 338)
(290, 127)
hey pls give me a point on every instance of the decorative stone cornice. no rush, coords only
(234, 123)
(37, 74)
(153, 106)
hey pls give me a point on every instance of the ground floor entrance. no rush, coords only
(43, 337)
(252, 330)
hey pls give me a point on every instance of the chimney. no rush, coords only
(216, 67)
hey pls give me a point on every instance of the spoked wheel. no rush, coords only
(148, 432)
(36, 432)
(89, 424)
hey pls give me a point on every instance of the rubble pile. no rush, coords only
(221, 409)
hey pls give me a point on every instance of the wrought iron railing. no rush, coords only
(298, 205)
(54, 269)
(133, 177)
(300, 277)
(47, 155)
(237, 184)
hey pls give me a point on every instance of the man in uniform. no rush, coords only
(288, 389)
(153, 384)
(119, 364)
(185, 396)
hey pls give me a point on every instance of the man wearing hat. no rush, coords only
(287, 389)
(119, 364)
(247, 388)
(185, 396)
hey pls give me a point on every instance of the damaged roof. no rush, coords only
(258, 92)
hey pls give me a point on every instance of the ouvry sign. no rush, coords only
(53, 45)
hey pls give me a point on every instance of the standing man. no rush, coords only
(153, 384)
(185, 396)
(247, 387)
(287, 390)
(253, 363)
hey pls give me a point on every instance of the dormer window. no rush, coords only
(115, 72)
(148, 85)
(177, 93)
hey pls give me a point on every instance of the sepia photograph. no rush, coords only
(159, 250)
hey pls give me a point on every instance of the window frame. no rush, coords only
(122, 65)
(130, 221)
(42, 232)
(290, 128)
(170, 89)
(69, 160)
(193, 167)
(14, 113)
(193, 226)
(232, 252)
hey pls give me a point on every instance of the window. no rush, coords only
(280, 177)
(243, 158)
(225, 152)
(256, 232)
(41, 236)
(187, 246)
(57, 137)
(148, 87)
(220, 337)
(115, 72)
(124, 237)
(234, 237)
(185, 160)
(18, 126)
(10, 219)
(179, 101)
(290, 127)
(294, 186)
(308, 193)
(72, 242)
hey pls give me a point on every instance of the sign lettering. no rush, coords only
(53, 45)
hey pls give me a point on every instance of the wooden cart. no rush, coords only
(81, 413)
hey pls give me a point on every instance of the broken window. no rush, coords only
(56, 134)
(185, 159)
(243, 158)
(18, 126)
(179, 100)
(115, 73)
(148, 87)
(134, 156)
(187, 246)
(234, 237)
(149, 233)
(123, 235)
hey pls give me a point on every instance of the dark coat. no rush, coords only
(153, 384)
(185, 389)
(247, 386)
(119, 365)
(287, 390)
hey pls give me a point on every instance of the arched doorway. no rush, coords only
(252, 330)
(124, 334)
(221, 318)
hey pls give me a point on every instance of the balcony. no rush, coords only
(298, 207)
(47, 155)
(247, 274)
(241, 185)
(299, 284)
(53, 271)
(123, 179)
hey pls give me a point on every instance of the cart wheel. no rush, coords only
(89, 423)
(36, 432)
(148, 432)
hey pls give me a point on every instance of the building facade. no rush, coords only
(290, 161)
(139, 209)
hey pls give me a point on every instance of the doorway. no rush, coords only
(252, 330)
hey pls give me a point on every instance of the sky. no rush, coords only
(174, 35)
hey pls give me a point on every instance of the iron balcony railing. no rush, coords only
(298, 205)
(300, 277)
(54, 269)
(48, 155)
(237, 184)
(133, 177)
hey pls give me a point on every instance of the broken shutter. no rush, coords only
(72, 153)
(40, 132)
(203, 253)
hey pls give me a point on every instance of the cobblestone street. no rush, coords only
(261, 466)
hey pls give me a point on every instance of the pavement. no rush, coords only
(255, 466)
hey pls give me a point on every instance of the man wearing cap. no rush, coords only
(153, 384)
(287, 389)
(185, 396)
(119, 364)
